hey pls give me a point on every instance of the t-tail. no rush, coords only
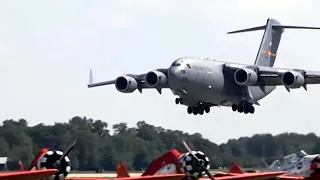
(267, 52)
(270, 41)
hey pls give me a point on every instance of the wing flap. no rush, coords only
(28, 175)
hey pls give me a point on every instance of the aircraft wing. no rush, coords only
(251, 176)
(272, 76)
(28, 175)
(139, 78)
(284, 177)
(151, 177)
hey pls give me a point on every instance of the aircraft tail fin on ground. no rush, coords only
(21, 166)
(122, 171)
(235, 168)
(270, 41)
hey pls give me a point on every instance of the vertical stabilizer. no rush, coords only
(270, 41)
(269, 45)
(21, 166)
(235, 168)
(267, 52)
(122, 171)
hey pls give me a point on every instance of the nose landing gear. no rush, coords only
(178, 101)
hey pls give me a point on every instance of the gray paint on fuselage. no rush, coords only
(205, 81)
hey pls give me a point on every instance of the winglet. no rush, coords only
(90, 77)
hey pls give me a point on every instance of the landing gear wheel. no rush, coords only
(234, 107)
(251, 109)
(195, 110)
(207, 109)
(189, 110)
(201, 111)
(177, 101)
(240, 109)
(246, 109)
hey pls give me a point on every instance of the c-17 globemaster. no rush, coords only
(201, 83)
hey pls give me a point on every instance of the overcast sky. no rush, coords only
(48, 47)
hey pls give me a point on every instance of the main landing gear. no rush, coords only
(200, 108)
(243, 108)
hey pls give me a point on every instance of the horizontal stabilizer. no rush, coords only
(248, 29)
(294, 27)
(274, 25)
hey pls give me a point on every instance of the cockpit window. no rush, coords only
(176, 63)
(188, 65)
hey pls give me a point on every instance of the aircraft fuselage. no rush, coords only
(197, 80)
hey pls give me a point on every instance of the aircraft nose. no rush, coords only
(175, 73)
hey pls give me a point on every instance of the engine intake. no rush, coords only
(190, 167)
(49, 160)
(293, 79)
(126, 84)
(246, 77)
(156, 79)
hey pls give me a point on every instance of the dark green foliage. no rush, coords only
(97, 148)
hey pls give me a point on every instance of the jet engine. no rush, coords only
(50, 160)
(190, 167)
(293, 79)
(246, 77)
(156, 79)
(126, 84)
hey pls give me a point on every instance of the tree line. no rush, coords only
(98, 148)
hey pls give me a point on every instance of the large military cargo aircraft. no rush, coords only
(201, 83)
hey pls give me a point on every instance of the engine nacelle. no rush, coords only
(126, 84)
(49, 160)
(246, 77)
(156, 79)
(190, 167)
(293, 79)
